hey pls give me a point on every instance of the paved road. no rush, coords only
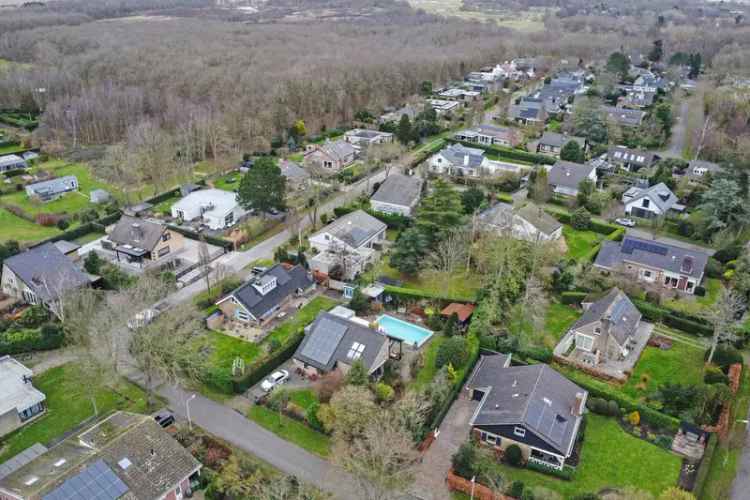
(678, 140)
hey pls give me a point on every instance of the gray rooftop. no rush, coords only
(456, 154)
(618, 309)
(660, 194)
(17, 461)
(534, 396)
(500, 216)
(47, 271)
(623, 116)
(332, 339)
(287, 283)
(632, 156)
(354, 228)
(338, 149)
(54, 186)
(15, 392)
(559, 140)
(67, 247)
(399, 189)
(568, 174)
(293, 171)
(137, 233)
(654, 254)
(11, 160)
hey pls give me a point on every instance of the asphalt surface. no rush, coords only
(678, 140)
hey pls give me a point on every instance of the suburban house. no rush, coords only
(395, 116)
(552, 143)
(297, 178)
(462, 161)
(533, 407)
(629, 159)
(442, 106)
(528, 111)
(529, 222)
(459, 94)
(637, 99)
(365, 137)
(398, 194)
(41, 275)
(257, 300)
(330, 156)
(215, 208)
(12, 162)
(347, 244)
(142, 241)
(20, 401)
(491, 135)
(53, 188)
(607, 331)
(564, 177)
(652, 261)
(650, 202)
(623, 116)
(125, 456)
(334, 343)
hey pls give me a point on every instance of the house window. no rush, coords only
(646, 202)
(242, 315)
(326, 237)
(597, 330)
(519, 431)
(229, 219)
(647, 274)
(166, 236)
(584, 342)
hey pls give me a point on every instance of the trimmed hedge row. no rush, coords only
(393, 221)
(211, 240)
(21, 341)
(413, 293)
(597, 225)
(648, 414)
(703, 468)
(84, 229)
(675, 319)
(510, 153)
(569, 298)
(260, 368)
(567, 473)
(505, 197)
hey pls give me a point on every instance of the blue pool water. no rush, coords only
(409, 333)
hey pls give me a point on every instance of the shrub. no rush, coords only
(731, 252)
(63, 224)
(714, 375)
(653, 297)
(92, 263)
(613, 409)
(311, 417)
(516, 489)
(597, 405)
(572, 297)
(700, 291)
(454, 351)
(513, 455)
(464, 459)
(33, 317)
(566, 474)
(384, 392)
(326, 417)
(581, 219)
(725, 355)
(634, 418)
(714, 269)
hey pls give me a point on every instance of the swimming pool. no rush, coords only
(409, 333)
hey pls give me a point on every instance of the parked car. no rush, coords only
(625, 222)
(164, 418)
(276, 378)
(259, 269)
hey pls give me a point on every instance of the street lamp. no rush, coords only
(187, 409)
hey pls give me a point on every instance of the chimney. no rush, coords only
(580, 405)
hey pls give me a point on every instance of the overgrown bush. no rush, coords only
(725, 356)
(463, 461)
(714, 269)
(384, 392)
(580, 219)
(516, 489)
(513, 455)
(454, 351)
(714, 375)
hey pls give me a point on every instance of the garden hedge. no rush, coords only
(567, 473)
(260, 368)
(511, 154)
(505, 197)
(211, 240)
(648, 414)
(703, 468)
(414, 293)
(21, 341)
(572, 297)
(671, 317)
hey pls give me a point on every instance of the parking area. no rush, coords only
(295, 381)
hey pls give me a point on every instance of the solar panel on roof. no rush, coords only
(629, 245)
(95, 482)
(321, 345)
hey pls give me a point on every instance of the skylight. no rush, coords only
(356, 351)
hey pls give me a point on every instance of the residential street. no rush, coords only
(678, 140)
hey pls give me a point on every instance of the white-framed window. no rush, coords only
(584, 342)
(229, 219)
(519, 431)
(646, 274)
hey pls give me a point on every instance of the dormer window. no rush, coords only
(519, 431)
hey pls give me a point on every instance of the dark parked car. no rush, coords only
(164, 418)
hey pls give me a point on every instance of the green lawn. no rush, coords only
(88, 237)
(460, 285)
(68, 405)
(694, 304)
(21, 230)
(303, 398)
(559, 319)
(165, 207)
(610, 458)
(7, 150)
(682, 363)
(302, 318)
(580, 242)
(69, 203)
(291, 430)
(229, 182)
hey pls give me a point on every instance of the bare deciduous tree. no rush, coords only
(723, 317)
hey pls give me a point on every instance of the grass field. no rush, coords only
(21, 230)
(6, 150)
(682, 363)
(291, 430)
(580, 242)
(68, 405)
(460, 284)
(610, 458)
(229, 182)
(559, 319)
(694, 304)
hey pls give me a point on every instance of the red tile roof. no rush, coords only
(462, 310)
